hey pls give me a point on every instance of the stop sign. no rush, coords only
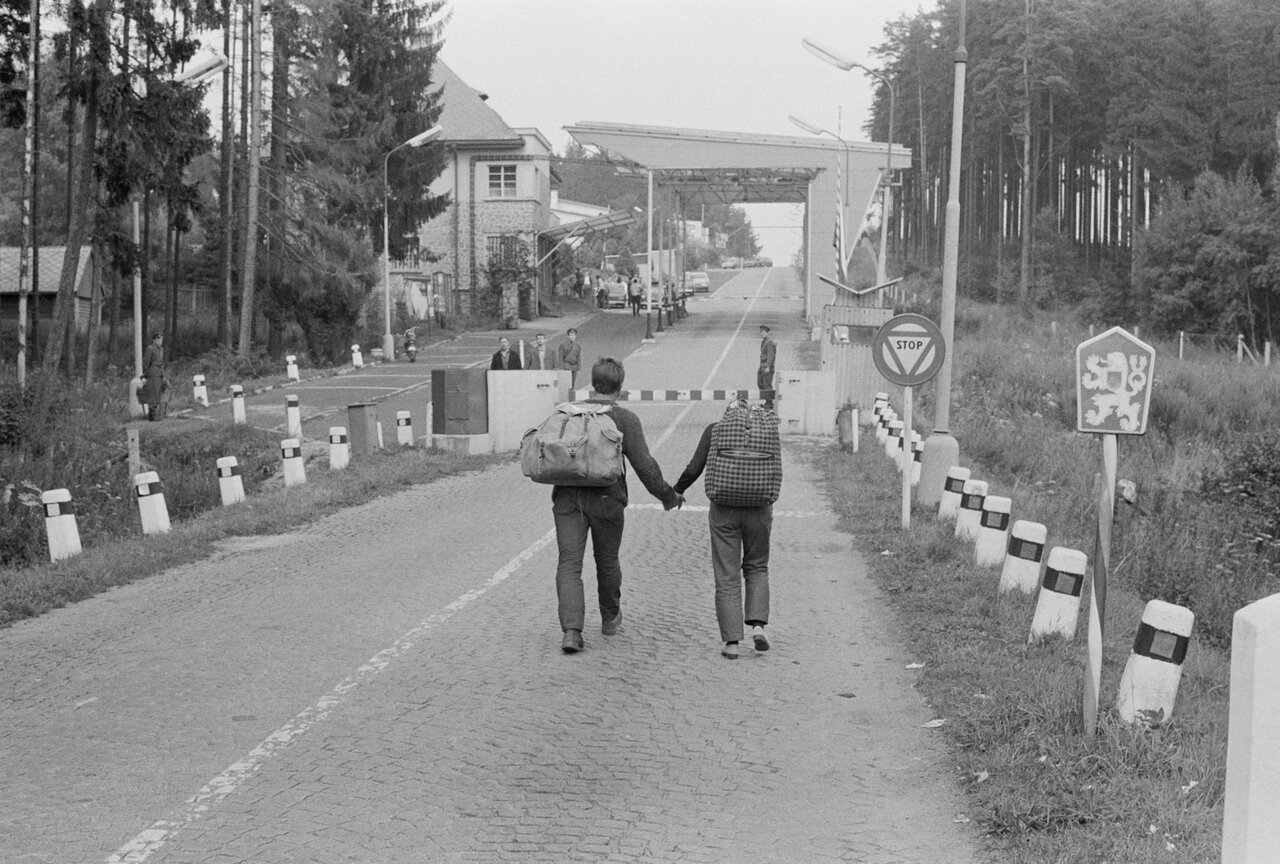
(1113, 383)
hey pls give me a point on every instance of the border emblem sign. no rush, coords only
(1113, 383)
(908, 349)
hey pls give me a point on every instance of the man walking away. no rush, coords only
(599, 511)
(571, 357)
(768, 354)
(633, 295)
(743, 481)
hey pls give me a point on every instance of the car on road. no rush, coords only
(697, 282)
(617, 294)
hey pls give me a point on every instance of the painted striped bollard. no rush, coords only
(237, 404)
(887, 415)
(1023, 557)
(917, 457)
(1149, 685)
(970, 511)
(881, 402)
(151, 506)
(952, 488)
(199, 391)
(993, 531)
(230, 483)
(893, 440)
(357, 359)
(291, 367)
(1058, 607)
(404, 428)
(339, 448)
(60, 524)
(291, 460)
(292, 417)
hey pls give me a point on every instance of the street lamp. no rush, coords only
(841, 63)
(816, 130)
(389, 341)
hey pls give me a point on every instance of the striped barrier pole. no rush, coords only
(199, 391)
(971, 498)
(1024, 557)
(339, 448)
(952, 489)
(151, 507)
(60, 524)
(230, 483)
(1058, 606)
(404, 428)
(993, 531)
(237, 405)
(1149, 685)
(292, 417)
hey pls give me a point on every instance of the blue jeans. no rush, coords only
(740, 552)
(580, 511)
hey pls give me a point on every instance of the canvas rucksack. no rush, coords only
(744, 464)
(578, 445)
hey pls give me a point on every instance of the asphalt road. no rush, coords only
(386, 685)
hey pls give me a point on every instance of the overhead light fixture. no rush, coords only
(827, 55)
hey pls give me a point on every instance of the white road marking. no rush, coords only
(141, 847)
(703, 508)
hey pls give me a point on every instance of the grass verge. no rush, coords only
(269, 508)
(1041, 792)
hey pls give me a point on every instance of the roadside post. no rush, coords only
(60, 524)
(908, 350)
(230, 483)
(1114, 371)
(237, 405)
(291, 367)
(199, 391)
(292, 417)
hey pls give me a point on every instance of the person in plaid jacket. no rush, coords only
(739, 553)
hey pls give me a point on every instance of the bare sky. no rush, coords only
(729, 65)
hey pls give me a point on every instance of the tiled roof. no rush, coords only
(465, 117)
(50, 269)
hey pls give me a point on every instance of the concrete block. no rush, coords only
(1058, 607)
(1024, 557)
(1149, 685)
(466, 445)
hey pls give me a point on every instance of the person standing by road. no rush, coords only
(633, 295)
(154, 383)
(599, 511)
(571, 357)
(739, 534)
(768, 356)
(504, 357)
(539, 357)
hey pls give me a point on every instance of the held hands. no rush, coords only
(675, 504)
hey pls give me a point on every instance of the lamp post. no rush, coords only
(389, 341)
(841, 63)
(816, 130)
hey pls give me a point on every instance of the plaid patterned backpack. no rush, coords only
(744, 464)
(579, 445)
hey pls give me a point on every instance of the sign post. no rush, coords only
(908, 350)
(1113, 397)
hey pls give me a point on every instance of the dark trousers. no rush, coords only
(764, 380)
(740, 553)
(580, 511)
(635, 305)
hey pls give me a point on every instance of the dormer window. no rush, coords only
(502, 181)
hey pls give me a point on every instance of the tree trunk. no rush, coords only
(248, 273)
(226, 185)
(113, 324)
(95, 311)
(80, 222)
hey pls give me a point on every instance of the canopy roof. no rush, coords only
(590, 225)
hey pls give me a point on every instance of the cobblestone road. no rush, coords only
(386, 686)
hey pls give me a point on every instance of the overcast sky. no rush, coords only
(728, 65)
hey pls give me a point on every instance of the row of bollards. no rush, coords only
(1149, 685)
(60, 521)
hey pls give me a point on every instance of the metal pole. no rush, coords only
(28, 187)
(941, 450)
(648, 258)
(882, 276)
(388, 341)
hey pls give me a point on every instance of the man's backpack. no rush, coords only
(744, 464)
(578, 445)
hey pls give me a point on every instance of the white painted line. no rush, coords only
(141, 847)
(703, 508)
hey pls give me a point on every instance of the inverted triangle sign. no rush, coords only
(909, 349)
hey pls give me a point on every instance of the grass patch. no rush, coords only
(1040, 790)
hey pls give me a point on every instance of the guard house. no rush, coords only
(45, 293)
(740, 167)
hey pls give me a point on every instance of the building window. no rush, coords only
(503, 249)
(502, 181)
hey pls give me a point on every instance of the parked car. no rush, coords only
(617, 294)
(697, 282)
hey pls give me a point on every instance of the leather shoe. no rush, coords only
(572, 642)
(610, 627)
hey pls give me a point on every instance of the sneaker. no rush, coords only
(572, 642)
(729, 651)
(761, 640)
(610, 627)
